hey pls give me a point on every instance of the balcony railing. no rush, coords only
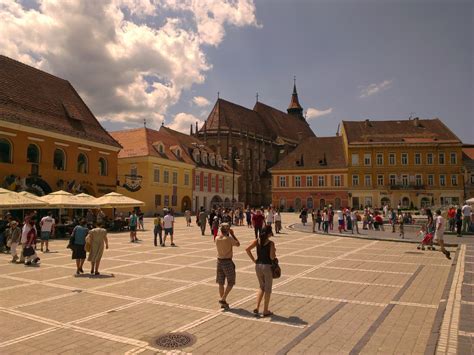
(406, 187)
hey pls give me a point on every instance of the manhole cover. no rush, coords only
(175, 340)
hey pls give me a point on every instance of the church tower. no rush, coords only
(295, 108)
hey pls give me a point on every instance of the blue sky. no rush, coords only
(423, 48)
(165, 60)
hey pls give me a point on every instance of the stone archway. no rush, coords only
(185, 203)
(216, 201)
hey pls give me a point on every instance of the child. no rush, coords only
(215, 227)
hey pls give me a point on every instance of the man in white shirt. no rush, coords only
(466, 217)
(269, 217)
(340, 220)
(168, 225)
(439, 233)
(47, 229)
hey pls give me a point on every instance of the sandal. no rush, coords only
(255, 312)
(269, 314)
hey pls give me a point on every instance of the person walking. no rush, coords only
(277, 219)
(340, 220)
(141, 216)
(98, 238)
(466, 220)
(355, 220)
(458, 222)
(157, 229)
(132, 226)
(202, 220)
(257, 221)
(326, 221)
(266, 253)
(29, 243)
(14, 239)
(79, 235)
(248, 217)
(225, 267)
(269, 217)
(168, 226)
(47, 224)
(215, 227)
(304, 216)
(439, 233)
(393, 219)
(187, 216)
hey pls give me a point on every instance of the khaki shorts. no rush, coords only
(265, 277)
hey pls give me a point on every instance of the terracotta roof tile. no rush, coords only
(315, 153)
(468, 153)
(398, 131)
(34, 98)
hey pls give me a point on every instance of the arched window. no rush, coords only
(5, 151)
(337, 203)
(102, 167)
(298, 204)
(385, 201)
(309, 202)
(59, 159)
(282, 203)
(82, 163)
(322, 203)
(405, 202)
(33, 154)
(425, 202)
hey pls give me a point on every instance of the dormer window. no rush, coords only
(212, 159)
(204, 157)
(219, 161)
(160, 147)
(196, 155)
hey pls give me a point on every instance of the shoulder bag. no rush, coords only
(276, 270)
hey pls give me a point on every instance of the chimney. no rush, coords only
(191, 130)
(367, 123)
(416, 122)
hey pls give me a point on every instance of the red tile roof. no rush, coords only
(399, 131)
(468, 152)
(263, 120)
(315, 153)
(34, 98)
(142, 142)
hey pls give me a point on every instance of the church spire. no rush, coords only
(295, 108)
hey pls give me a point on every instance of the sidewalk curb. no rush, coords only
(291, 226)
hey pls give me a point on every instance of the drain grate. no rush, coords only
(175, 340)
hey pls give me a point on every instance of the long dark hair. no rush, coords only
(265, 233)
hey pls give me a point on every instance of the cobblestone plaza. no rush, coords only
(336, 295)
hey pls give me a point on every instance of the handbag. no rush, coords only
(28, 251)
(71, 242)
(87, 247)
(276, 270)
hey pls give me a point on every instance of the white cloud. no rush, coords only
(372, 89)
(182, 122)
(201, 101)
(125, 68)
(313, 112)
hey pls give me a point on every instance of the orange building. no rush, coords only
(313, 175)
(49, 139)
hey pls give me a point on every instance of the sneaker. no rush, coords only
(173, 245)
(27, 263)
(37, 261)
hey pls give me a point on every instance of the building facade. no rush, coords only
(254, 140)
(411, 163)
(314, 175)
(152, 169)
(215, 184)
(468, 170)
(169, 169)
(49, 139)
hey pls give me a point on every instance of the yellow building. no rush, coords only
(153, 168)
(411, 163)
(49, 139)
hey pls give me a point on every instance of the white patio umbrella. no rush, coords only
(13, 200)
(470, 201)
(87, 201)
(116, 200)
(62, 199)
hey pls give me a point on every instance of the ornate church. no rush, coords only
(253, 140)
